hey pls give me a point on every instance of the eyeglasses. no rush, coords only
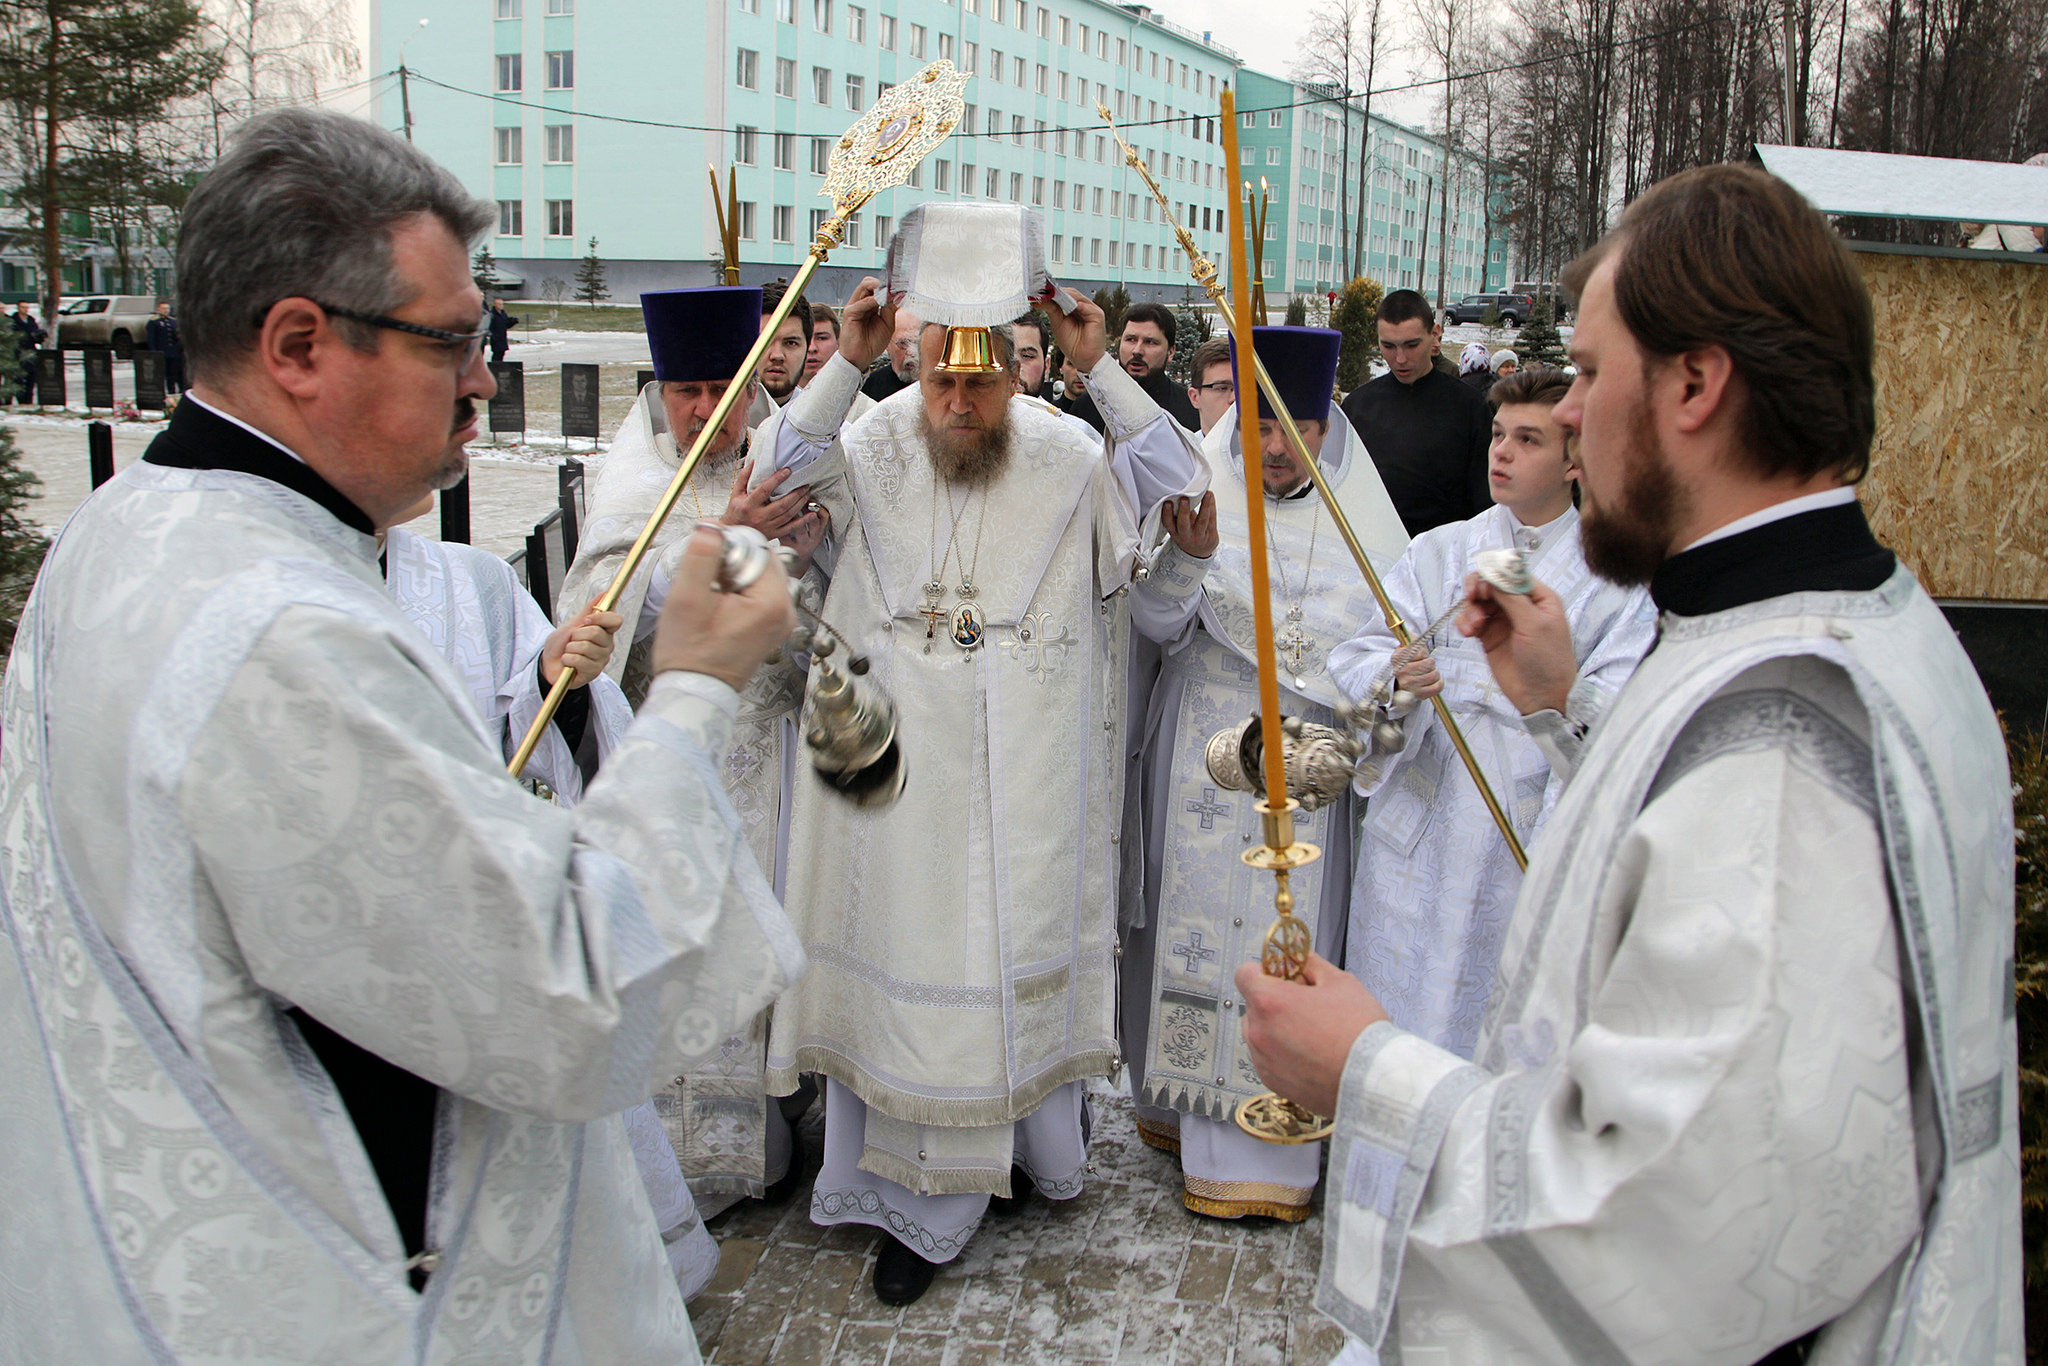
(470, 342)
(1218, 387)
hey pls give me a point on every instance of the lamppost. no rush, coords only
(404, 92)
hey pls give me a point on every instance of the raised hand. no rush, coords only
(1528, 642)
(761, 508)
(1080, 334)
(1192, 525)
(725, 635)
(866, 325)
(584, 646)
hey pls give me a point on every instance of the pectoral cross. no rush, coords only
(933, 614)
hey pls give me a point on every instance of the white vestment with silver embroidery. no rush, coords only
(1750, 1070)
(1435, 881)
(235, 778)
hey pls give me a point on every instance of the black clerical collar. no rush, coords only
(200, 439)
(1828, 550)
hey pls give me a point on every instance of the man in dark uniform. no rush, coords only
(500, 324)
(1426, 432)
(161, 336)
(27, 335)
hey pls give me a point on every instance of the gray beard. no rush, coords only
(968, 458)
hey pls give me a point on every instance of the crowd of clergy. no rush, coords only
(327, 1038)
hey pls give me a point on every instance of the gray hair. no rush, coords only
(303, 203)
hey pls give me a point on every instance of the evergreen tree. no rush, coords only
(1355, 316)
(1191, 327)
(590, 278)
(483, 268)
(1297, 312)
(1114, 303)
(85, 77)
(1539, 342)
(21, 544)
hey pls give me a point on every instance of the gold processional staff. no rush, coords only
(1205, 275)
(898, 131)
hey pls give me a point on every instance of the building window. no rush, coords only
(1272, 156)
(1112, 250)
(994, 183)
(885, 227)
(1249, 120)
(856, 92)
(1063, 86)
(750, 6)
(1038, 134)
(785, 76)
(1016, 187)
(1122, 52)
(747, 217)
(852, 231)
(967, 178)
(917, 41)
(885, 31)
(942, 175)
(970, 53)
(747, 70)
(1017, 74)
(1017, 129)
(510, 146)
(508, 9)
(856, 23)
(821, 155)
(1044, 22)
(1059, 194)
(511, 218)
(743, 139)
(1148, 257)
(821, 85)
(1057, 242)
(821, 15)
(561, 218)
(785, 10)
(785, 222)
(995, 122)
(1043, 83)
(995, 66)
(817, 222)
(1066, 32)
(511, 72)
(1097, 201)
(561, 6)
(785, 151)
(945, 47)
(562, 143)
(1095, 251)
(561, 71)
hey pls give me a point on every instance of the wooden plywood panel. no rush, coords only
(1958, 482)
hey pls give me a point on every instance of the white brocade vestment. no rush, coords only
(962, 936)
(1435, 880)
(1750, 1068)
(1205, 912)
(728, 1136)
(488, 627)
(235, 779)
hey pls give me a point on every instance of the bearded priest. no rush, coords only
(731, 1141)
(1203, 912)
(963, 978)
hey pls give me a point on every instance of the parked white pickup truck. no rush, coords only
(115, 320)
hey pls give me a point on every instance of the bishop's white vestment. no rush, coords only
(731, 1139)
(488, 627)
(1204, 912)
(1749, 1073)
(962, 937)
(1435, 881)
(235, 779)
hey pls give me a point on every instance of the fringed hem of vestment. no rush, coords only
(1236, 1199)
(934, 1180)
(1190, 1098)
(939, 1111)
(1159, 1136)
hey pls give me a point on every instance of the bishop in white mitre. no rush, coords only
(1436, 882)
(501, 644)
(731, 1140)
(963, 937)
(321, 1022)
(1203, 911)
(1745, 1092)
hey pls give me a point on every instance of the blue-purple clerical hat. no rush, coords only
(1303, 364)
(701, 334)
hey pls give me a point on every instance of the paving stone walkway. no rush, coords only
(1123, 1273)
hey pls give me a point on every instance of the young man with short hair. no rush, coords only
(824, 339)
(1435, 881)
(782, 364)
(1427, 432)
(1211, 386)
(1028, 339)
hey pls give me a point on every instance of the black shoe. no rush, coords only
(901, 1276)
(1020, 1189)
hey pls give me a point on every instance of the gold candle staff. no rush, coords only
(1204, 271)
(898, 131)
(728, 211)
(1267, 1116)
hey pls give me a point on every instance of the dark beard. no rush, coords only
(788, 388)
(1625, 544)
(975, 457)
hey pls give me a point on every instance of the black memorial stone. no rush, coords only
(50, 379)
(508, 405)
(149, 381)
(579, 401)
(99, 377)
(2008, 643)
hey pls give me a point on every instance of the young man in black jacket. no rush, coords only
(1426, 432)
(1145, 348)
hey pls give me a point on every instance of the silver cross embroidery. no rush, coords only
(1208, 808)
(1194, 951)
(1040, 651)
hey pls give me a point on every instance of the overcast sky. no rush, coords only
(1268, 36)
